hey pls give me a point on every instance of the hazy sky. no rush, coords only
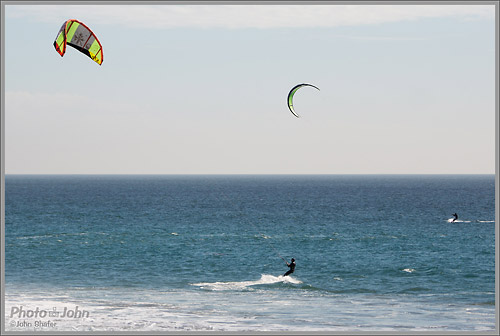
(201, 89)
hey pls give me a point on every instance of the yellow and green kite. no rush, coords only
(80, 37)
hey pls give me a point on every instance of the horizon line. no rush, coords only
(246, 174)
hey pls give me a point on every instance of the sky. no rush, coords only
(201, 89)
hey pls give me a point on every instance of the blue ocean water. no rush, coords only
(173, 252)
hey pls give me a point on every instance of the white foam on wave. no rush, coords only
(265, 279)
(100, 315)
(114, 310)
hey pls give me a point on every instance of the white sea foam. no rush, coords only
(458, 221)
(265, 279)
(194, 310)
(110, 316)
(450, 220)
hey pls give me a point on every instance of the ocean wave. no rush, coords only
(265, 279)
(469, 221)
(64, 234)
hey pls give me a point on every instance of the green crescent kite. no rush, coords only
(292, 93)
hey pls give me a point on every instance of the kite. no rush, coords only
(80, 37)
(290, 96)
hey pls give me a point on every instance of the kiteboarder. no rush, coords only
(455, 217)
(291, 266)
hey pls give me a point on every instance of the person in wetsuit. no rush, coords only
(455, 217)
(291, 266)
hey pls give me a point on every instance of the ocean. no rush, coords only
(207, 253)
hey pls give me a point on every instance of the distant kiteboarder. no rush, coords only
(455, 217)
(291, 266)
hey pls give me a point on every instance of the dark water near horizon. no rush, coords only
(203, 252)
